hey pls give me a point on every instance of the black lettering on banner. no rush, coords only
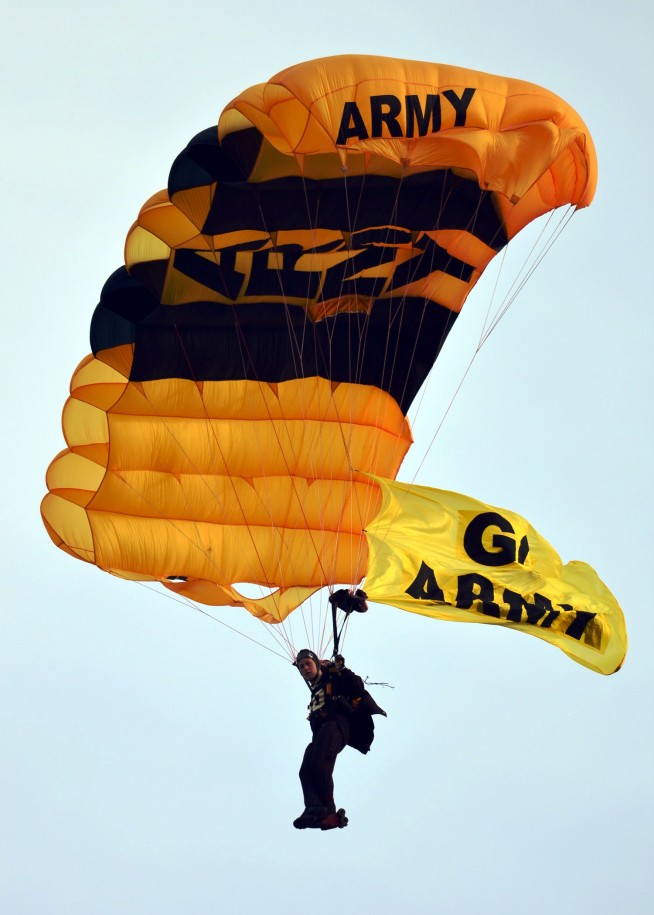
(523, 550)
(518, 605)
(430, 258)
(366, 259)
(477, 589)
(383, 237)
(578, 625)
(504, 552)
(424, 586)
(273, 271)
(473, 587)
(282, 278)
(352, 124)
(384, 109)
(460, 104)
(222, 277)
(414, 111)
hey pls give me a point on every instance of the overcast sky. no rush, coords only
(150, 755)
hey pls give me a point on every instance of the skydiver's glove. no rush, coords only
(348, 602)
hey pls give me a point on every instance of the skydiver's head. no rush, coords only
(308, 663)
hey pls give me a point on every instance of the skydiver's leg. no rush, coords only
(321, 756)
(309, 790)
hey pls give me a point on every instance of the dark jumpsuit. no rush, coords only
(334, 716)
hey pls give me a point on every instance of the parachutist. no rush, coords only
(340, 715)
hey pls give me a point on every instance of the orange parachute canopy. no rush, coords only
(281, 303)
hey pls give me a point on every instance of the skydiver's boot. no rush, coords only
(311, 818)
(336, 820)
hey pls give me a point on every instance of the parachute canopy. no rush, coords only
(281, 303)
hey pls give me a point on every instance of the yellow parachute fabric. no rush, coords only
(451, 557)
(283, 300)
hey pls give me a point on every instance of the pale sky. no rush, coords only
(150, 755)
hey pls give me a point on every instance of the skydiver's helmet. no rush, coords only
(307, 653)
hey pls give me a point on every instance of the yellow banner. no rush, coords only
(451, 557)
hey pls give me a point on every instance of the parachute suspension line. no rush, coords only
(444, 200)
(330, 330)
(463, 376)
(426, 302)
(398, 314)
(196, 545)
(294, 338)
(365, 322)
(157, 511)
(446, 329)
(487, 327)
(508, 300)
(185, 602)
(307, 608)
(271, 629)
(327, 360)
(359, 356)
(364, 325)
(248, 363)
(519, 283)
(393, 316)
(216, 441)
(491, 299)
(358, 351)
(469, 228)
(327, 357)
(351, 215)
(356, 359)
(364, 335)
(445, 414)
(140, 494)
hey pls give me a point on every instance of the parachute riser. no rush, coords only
(348, 603)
